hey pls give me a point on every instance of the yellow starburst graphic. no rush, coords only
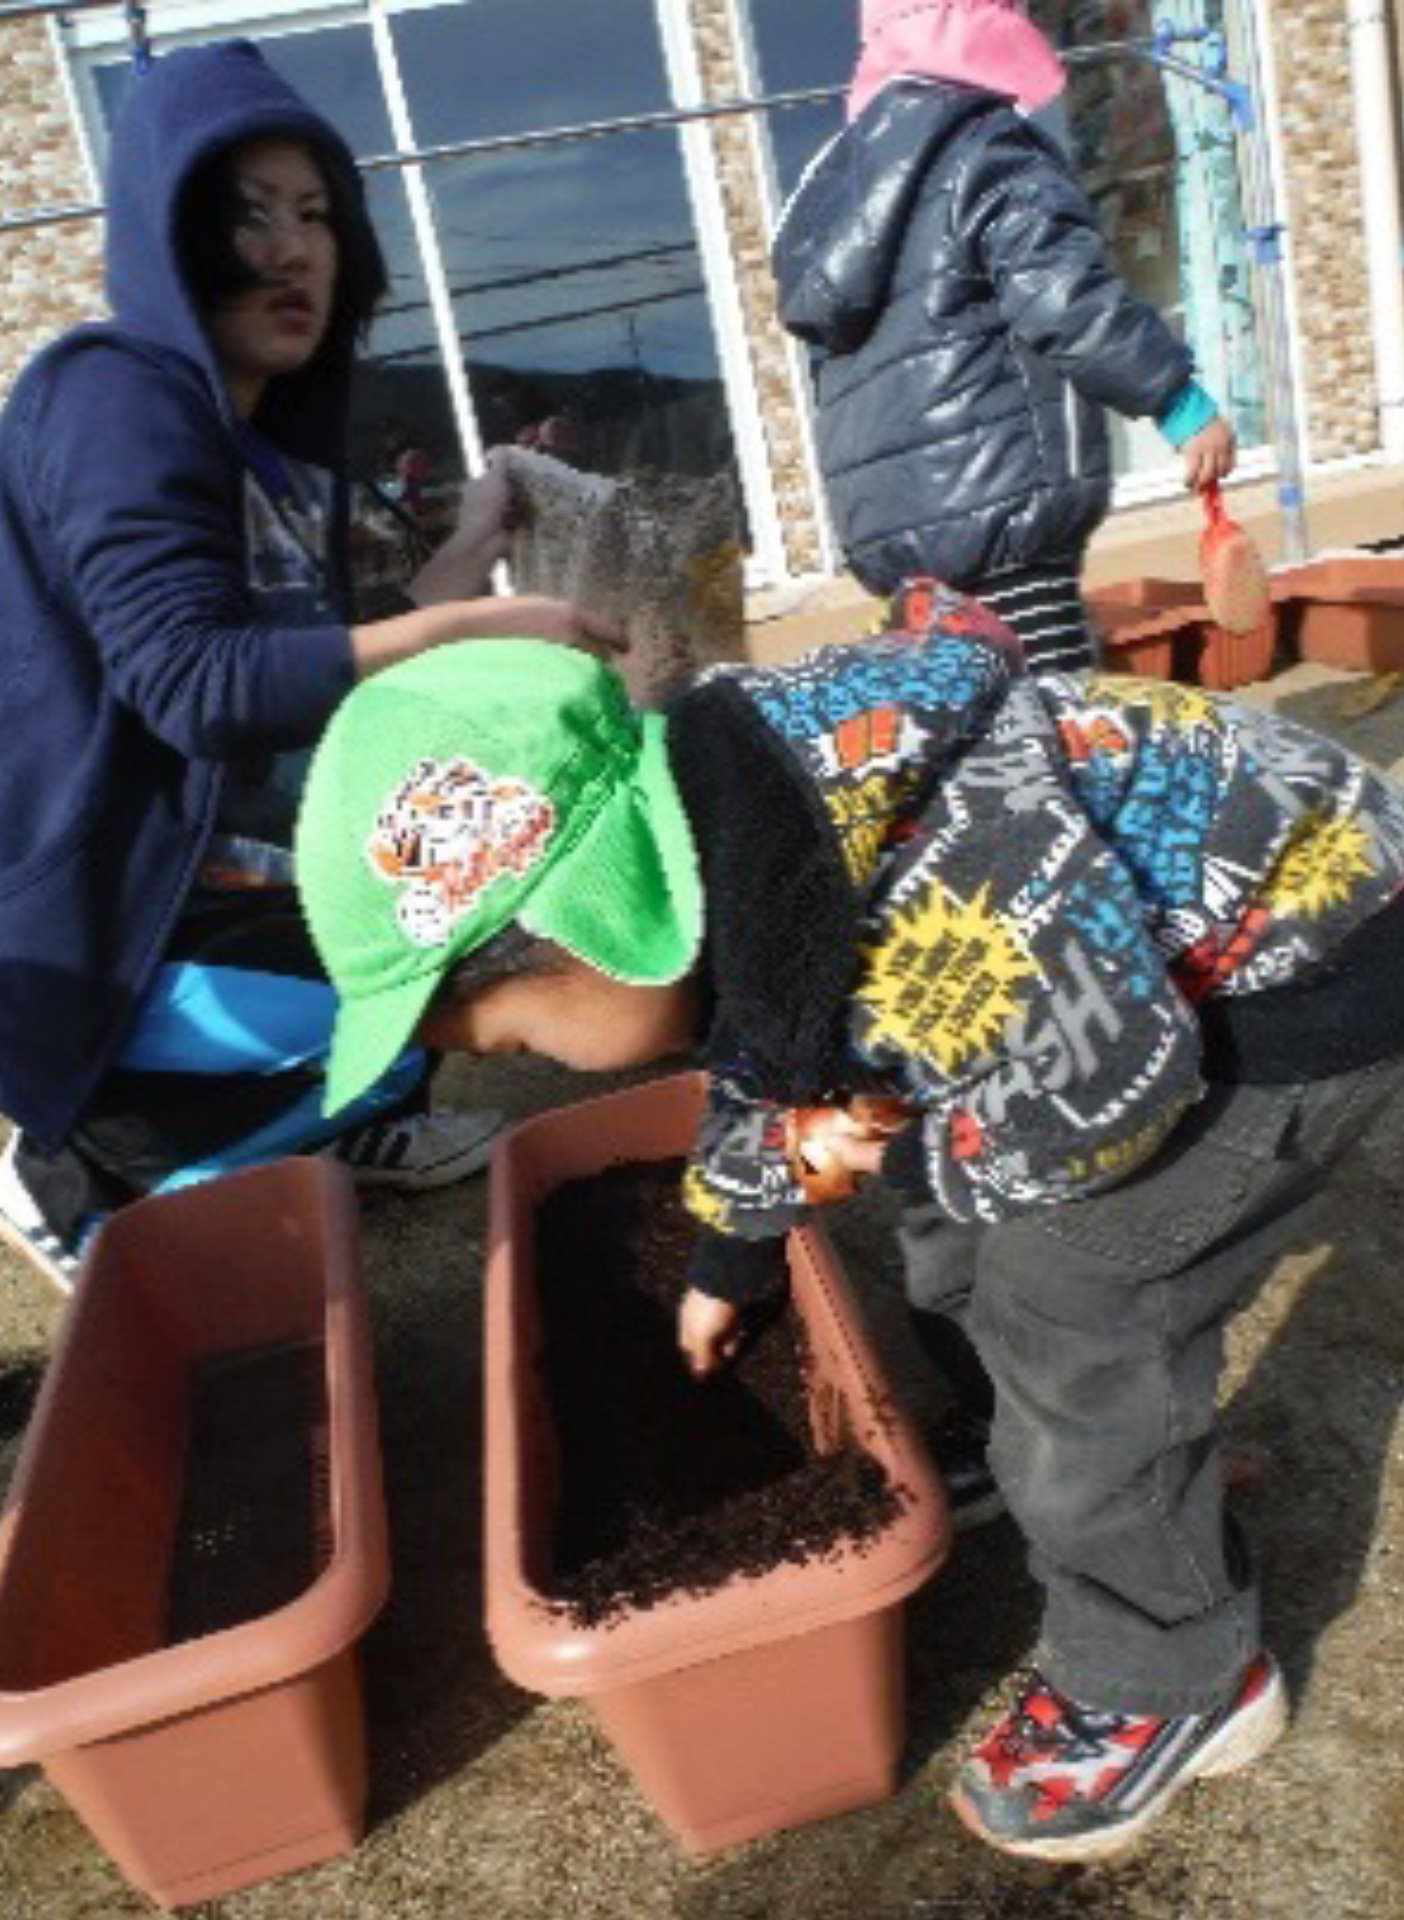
(1165, 700)
(701, 1202)
(943, 982)
(1319, 867)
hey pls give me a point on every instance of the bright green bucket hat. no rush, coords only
(475, 785)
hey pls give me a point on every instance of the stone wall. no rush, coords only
(52, 276)
(738, 168)
(1311, 45)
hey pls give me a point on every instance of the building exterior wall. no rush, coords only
(744, 201)
(1321, 154)
(52, 276)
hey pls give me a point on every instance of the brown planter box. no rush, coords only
(1162, 629)
(778, 1698)
(1227, 660)
(1346, 611)
(203, 1454)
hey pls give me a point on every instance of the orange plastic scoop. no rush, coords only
(1235, 580)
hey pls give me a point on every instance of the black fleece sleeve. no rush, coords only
(741, 1271)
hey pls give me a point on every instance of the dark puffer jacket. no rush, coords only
(944, 260)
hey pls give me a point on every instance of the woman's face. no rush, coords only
(283, 233)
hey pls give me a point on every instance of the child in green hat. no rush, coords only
(1127, 952)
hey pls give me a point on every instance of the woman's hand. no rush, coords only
(461, 569)
(1210, 455)
(709, 1331)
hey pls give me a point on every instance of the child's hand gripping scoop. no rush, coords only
(1235, 580)
(814, 1139)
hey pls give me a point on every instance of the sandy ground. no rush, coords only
(488, 1804)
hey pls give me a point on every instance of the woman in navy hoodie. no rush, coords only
(173, 512)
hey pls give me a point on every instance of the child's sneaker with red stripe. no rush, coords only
(1059, 1781)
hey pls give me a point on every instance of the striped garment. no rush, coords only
(1043, 606)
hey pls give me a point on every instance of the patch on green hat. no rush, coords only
(474, 785)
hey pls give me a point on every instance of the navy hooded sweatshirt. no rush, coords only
(139, 670)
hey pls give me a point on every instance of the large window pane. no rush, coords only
(799, 44)
(1159, 159)
(578, 292)
(406, 458)
(515, 66)
(333, 68)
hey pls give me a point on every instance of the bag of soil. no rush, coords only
(658, 554)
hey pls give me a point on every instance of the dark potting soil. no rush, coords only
(669, 1483)
(253, 1531)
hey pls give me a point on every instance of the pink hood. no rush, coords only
(984, 43)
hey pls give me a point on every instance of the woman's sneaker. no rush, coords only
(23, 1226)
(419, 1150)
(1059, 1781)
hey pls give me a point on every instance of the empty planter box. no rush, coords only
(195, 1538)
(1161, 629)
(1345, 610)
(779, 1697)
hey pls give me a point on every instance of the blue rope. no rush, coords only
(141, 42)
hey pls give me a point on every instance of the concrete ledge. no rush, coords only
(1361, 508)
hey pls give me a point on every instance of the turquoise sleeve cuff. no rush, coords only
(1188, 413)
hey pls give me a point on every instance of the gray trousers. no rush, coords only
(1100, 1322)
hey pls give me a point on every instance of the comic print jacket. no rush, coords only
(1008, 901)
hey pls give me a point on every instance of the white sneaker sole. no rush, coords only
(1238, 1743)
(18, 1241)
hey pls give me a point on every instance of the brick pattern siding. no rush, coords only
(738, 169)
(52, 276)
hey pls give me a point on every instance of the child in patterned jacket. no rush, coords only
(1125, 950)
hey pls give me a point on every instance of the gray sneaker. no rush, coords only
(419, 1150)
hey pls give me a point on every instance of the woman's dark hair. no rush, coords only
(208, 216)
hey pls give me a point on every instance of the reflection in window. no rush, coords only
(578, 290)
(516, 66)
(333, 68)
(800, 44)
(1159, 159)
(406, 460)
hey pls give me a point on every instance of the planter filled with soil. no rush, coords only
(195, 1540)
(718, 1565)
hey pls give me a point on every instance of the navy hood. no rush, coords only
(841, 232)
(187, 105)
